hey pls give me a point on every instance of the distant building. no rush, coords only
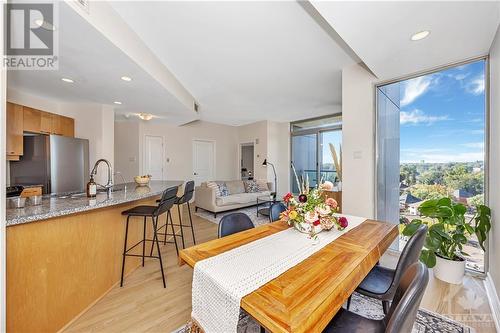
(406, 199)
(476, 170)
(461, 195)
(413, 208)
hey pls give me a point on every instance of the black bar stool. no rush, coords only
(184, 199)
(169, 197)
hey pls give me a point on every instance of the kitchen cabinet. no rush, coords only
(62, 125)
(14, 131)
(32, 119)
(36, 121)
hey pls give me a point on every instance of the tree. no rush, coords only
(408, 174)
(459, 177)
(432, 176)
(476, 200)
(426, 192)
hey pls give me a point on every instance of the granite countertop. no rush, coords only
(60, 205)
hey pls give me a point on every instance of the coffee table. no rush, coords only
(264, 203)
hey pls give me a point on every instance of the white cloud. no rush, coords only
(444, 158)
(479, 145)
(414, 88)
(416, 117)
(476, 85)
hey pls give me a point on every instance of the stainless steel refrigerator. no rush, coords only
(59, 163)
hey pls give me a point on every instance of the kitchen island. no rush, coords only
(65, 254)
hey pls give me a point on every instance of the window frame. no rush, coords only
(486, 60)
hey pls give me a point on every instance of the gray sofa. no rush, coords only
(206, 197)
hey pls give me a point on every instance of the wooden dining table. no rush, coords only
(306, 297)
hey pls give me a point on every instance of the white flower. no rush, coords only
(323, 210)
(311, 217)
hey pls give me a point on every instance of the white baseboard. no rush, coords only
(493, 299)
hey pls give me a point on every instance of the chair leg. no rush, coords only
(124, 252)
(180, 225)
(173, 232)
(349, 302)
(166, 227)
(191, 222)
(195, 209)
(143, 240)
(155, 240)
(386, 306)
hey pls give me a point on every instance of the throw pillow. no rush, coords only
(251, 186)
(223, 191)
(262, 185)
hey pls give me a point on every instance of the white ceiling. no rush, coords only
(96, 66)
(249, 61)
(379, 32)
(244, 61)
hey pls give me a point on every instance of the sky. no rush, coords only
(442, 116)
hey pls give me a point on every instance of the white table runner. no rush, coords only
(220, 282)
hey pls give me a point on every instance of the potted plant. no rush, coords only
(448, 232)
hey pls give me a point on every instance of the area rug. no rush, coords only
(250, 211)
(426, 322)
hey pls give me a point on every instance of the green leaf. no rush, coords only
(412, 227)
(459, 209)
(469, 228)
(432, 243)
(428, 258)
(459, 238)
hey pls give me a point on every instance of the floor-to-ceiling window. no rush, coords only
(431, 143)
(316, 150)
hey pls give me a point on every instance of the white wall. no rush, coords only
(358, 142)
(274, 144)
(92, 121)
(494, 161)
(279, 154)
(126, 150)
(256, 133)
(178, 141)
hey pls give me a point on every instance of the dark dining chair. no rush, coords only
(402, 313)
(233, 223)
(381, 283)
(275, 210)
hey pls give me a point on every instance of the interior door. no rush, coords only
(153, 156)
(203, 161)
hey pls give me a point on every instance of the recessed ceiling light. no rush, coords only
(116, 102)
(126, 78)
(45, 25)
(420, 35)
(67, 80)
(145, 116)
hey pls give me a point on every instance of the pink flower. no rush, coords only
(343, 222)
(327, 186)
(287, 197)
(331, 202)
(311, 217)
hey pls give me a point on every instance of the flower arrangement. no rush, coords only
(311, 212)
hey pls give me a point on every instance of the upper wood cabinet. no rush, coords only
(14, 131)
(37, 121)
(63, 125)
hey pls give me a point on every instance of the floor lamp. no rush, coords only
(266, 163)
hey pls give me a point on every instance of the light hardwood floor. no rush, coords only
(143, 305)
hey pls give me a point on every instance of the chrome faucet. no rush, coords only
(109, 185)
